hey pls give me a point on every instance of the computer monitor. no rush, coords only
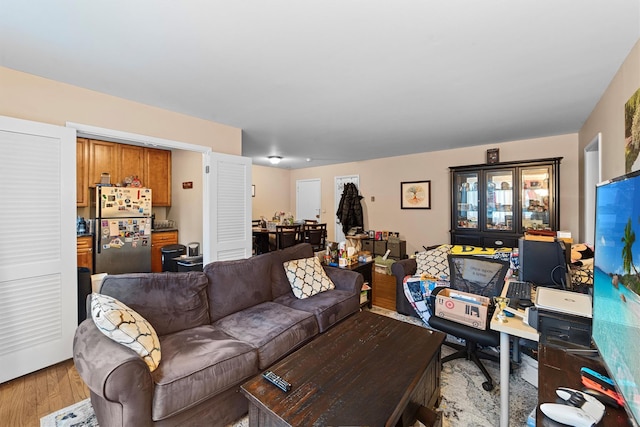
(543, 263)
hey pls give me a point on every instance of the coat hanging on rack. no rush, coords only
(349, 211)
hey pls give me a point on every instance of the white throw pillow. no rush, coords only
(434, 262)
(307, 277)
(126, 327)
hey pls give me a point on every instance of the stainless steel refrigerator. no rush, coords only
(122, 230)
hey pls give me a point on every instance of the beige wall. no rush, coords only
(25, 96)
(186, 204)
(381, 179)
(608, 118)
(273, 191)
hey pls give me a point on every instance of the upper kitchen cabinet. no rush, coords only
(494, 204)
(157, 175)
(130, 163)
(82, 172)
(103, 158)
(152, 166)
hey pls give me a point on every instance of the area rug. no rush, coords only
(77, 415)
(464, 402)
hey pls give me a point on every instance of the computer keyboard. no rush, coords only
(517, 291)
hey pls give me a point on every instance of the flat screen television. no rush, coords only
(616, 285)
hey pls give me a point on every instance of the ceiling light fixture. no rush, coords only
(274, 160)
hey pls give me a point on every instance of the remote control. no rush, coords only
(277, 381)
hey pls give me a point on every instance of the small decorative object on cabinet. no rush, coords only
(494, 204)
(493, 155)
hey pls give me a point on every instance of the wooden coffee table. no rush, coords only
(369, 370)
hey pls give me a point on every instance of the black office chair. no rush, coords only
(480, 276)
(316, 236)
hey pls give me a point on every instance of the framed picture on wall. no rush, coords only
(415, 195)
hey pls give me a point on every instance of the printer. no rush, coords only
(564, 318)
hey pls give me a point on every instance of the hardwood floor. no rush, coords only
(24, 400)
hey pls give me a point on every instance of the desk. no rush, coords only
(514, 326)
(559, 367)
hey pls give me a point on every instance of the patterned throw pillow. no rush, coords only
(126, 327)
(307, 277)
(434, 262)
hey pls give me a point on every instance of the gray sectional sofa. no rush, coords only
(217, 328)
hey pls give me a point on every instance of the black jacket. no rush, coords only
(349, 211)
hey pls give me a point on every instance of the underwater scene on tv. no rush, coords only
(616, 291)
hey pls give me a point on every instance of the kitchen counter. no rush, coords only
(162, 230)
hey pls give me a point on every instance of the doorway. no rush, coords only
(592, 176)
(220, 173)
(308, 199)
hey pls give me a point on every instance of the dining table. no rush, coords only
(262, 239)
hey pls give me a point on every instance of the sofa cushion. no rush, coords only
(328, 307)
(434, 262)
(199, 363)
(239, 284)
(126, 327)
(171, 302)
(279, 282)
(307, 277)
(274, 329)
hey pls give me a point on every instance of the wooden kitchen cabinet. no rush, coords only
(131, 163)
(85, 252)
(160, 239)
(82, 172)
(103, 157)
(152, 166)
(157, 175)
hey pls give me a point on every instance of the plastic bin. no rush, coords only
(190, 264)
(169, 253)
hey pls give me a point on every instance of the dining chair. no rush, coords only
(316, 235)
(310, 221)
(255, 223)
(285, 236)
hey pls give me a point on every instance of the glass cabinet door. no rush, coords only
(467, 200)
(499, 196)
(535, 198)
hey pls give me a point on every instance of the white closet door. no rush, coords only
(229, 227)
(38, 277)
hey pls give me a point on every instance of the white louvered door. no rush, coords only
(229, 232)
(38, 279)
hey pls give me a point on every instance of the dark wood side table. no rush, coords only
(366, 269)
(560, 367)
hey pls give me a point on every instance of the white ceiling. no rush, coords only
(337, 81)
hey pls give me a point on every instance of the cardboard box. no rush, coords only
(462, 307)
